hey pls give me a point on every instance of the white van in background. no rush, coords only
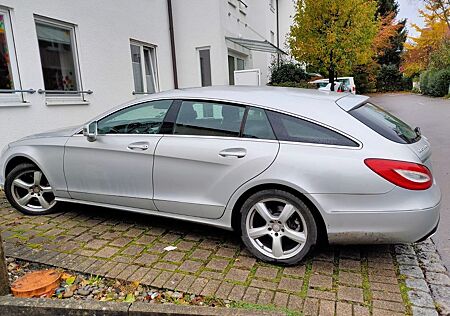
(348, 84)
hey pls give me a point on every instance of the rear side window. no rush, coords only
(257, 125)
(385, 124)
(289, 128)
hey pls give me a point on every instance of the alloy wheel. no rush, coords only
(31, 190)
(276, 228)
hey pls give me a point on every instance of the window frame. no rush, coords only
(72, 28)
(141, 102)
(13, 98)
(153, 59)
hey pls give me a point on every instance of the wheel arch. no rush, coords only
(17, 160)
(321, 226)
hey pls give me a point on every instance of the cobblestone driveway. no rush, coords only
(212, 262)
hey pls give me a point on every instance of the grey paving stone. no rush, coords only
(417, 284)
(441, 295)
(404, 249)
(410, 259)
(422, 247)
(437, 278)
(421, 311)
(411, 271)
(421, 299)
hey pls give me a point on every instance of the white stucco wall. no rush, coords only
(196, 25)
(103, 29)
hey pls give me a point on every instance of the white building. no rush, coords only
(63, 61)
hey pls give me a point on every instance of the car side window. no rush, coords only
(289, 128)
(257, 125)
(143, 118)
(209, 119)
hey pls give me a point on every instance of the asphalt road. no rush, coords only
(432, 115)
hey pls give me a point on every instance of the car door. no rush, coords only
(205, 159)
(116, 168)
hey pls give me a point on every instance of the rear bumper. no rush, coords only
(382, 227)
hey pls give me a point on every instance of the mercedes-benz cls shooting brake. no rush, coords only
(282, 167)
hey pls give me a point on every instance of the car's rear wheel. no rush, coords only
(277, 226)
(28, 190)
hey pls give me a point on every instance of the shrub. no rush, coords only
(439, 82)
(424, 79)
(287, 72)
(435, 82)
(302, 84)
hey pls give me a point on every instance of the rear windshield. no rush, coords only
(385, 124)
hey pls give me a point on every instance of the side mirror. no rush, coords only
(90, 131)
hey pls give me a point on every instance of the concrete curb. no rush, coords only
(10, 305)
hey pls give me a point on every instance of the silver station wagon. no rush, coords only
(285, 168)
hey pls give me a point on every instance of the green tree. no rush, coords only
(334, 35)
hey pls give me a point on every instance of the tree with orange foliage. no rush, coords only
(431, 38)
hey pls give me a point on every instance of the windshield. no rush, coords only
(385, 124)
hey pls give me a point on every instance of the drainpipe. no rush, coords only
(278, 33)
(172, 45)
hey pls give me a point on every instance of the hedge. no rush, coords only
(435, 82)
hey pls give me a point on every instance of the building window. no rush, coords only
(205, 66)
(234, 63)
(58, 55)
(143, 61)
(8, 66)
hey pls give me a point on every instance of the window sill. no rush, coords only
(13, 104)
(12, 100)
(51, 101)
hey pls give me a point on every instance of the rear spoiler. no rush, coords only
(351, 101)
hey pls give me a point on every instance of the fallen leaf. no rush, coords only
(129, 298)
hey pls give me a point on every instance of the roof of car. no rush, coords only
(274, 97)
(306, 102)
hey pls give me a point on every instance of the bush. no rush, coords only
(302, 84)
(435, 82)
(424, 79)
(439, 83)
(287, 72)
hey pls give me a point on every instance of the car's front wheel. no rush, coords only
(28, 190)
(277, 226)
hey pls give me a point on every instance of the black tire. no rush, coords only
(311, 237)
(17, 170)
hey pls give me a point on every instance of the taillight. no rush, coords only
(408, 175)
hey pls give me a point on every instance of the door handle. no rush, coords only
(138, 146)
(233, 152)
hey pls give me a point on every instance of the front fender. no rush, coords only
(46, 153)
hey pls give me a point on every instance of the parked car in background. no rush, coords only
(348, 84)
(283, 167)
(338, 87)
